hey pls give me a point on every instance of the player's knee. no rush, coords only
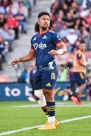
(37, 98)
(49, 94)
(40, 97)
(42, 102)
(38, 94)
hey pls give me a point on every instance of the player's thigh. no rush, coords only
(49, 79)
(37, 81)
(49, 94)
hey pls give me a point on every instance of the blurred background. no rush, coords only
(71, 19)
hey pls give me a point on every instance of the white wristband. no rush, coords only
(60, 51)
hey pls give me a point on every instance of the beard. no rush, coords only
(44, 28)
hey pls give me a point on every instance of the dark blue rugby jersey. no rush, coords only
(43, 44)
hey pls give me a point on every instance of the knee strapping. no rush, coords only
(40, 95)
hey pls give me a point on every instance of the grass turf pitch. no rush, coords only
(16, 118)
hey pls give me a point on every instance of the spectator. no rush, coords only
(72, 37)
(69, 20)
(23, 9)
(5, 3)
(56, 6)
(88, 3)
(66, 43)
(62, 74)
(77, 31)
(53, 16)
(84, 33)
(79, 39)
(64, 32)
(2, 10)
(65, 9)
(69, 3)
(74, 7)
(15, 4)
(59, 24)
(81, 22)
(88, 19)
(83, 13)
(21, 20)
(60, 14)
(2, 20)
(13, 24)
(8, 35)
(79, 2)
(27, 4)
(12, 9)
(4, 46)
(71, 11)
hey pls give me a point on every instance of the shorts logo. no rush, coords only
(48, 84)
(41, 46)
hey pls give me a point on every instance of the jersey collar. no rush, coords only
(43, 33)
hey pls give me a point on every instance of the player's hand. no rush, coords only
(14, 62)
(53, 52)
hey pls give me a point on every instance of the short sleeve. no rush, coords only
(56, 38)
(31, 44)
(79, 56)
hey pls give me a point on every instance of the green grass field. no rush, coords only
(13, 118)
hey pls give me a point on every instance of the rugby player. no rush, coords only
(44, 46)
(80, 64)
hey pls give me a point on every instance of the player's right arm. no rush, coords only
(28, 57)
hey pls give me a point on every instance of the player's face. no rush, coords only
(82, 47)
(44, 22)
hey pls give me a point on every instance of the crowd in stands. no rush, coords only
(13, 14)
(71, 19)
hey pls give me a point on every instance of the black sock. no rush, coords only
(45, 111)
(51, 108)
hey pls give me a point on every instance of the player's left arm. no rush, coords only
(56, 39)
(62, 49)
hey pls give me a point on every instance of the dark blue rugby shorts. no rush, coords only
(45, 79)
(80, 78)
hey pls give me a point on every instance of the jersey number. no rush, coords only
(53, 75)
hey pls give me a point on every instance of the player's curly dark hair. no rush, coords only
(39, 15)
(37, 27)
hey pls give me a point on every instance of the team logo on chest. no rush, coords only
(41, 46)
(34, 39)
(44, 37)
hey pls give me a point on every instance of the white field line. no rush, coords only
(57, 105)
(29, 128)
